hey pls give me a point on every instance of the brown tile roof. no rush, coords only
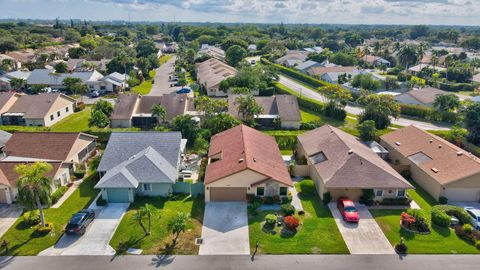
(319, 71)
(212, 71)
(426, 95)
(124, 107)
(349, 163)
(41, 145)
(245, 148)
(9, 177)
(445, 157)
(285, 106)
(36, 106)
(5, 97)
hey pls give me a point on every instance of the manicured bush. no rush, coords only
(43, 230)
(327, 197)
(291, 223)
(407, 220)
(421, 223)
(477, 244)
(287, 199)
(396, 201)
(427, 113)
(288, 209)
(270, 219)
(101, 201)
(443, 200)
(79, 173)
(296, 74)
(32, 217)
(57, 194)
(467, 228)
(80, 107)
(268, 200)
(441, 215)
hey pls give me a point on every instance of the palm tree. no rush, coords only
(366, 52)
(34, 188)
(407, 55)
(138, 218)
(177, 225)
(160, 112)
(17, 83)
(148, 211)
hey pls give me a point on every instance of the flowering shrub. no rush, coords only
(291, 223)
(407, 220)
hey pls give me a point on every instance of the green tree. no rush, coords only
(160, 112)
(235, 54)
(337, 99)
(177, 225)
(17, 83)
(145, 48)
(34, 188)
(248, 108)
(232, 41)
(220, 122)
(366, 81)
(379, 108)
(209, 107)
(148, 212)
(367, 130)
(447, 102)
(200, 146)
(98, 119)
(37, 88)
(456, 134)
(407, 55)
(103, 106)
(186, 125)
(61, 67)
(472, 122)
(75, 85)
(72, 35)
(139, 217)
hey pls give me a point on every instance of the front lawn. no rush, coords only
(22, 239)
(439, 241)
(160, 240)
(145, 87)
(76, 122)
(318, 233)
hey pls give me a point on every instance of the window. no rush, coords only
(58, 114)
(260, 191)
(318, 158)
(283, 191)
(400, 192)
(66, 109)
(378, 192)
(147, 187)
(51, 117)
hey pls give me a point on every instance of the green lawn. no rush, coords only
(145, 87)
(76, 122)
(286, 152)
(318, 232)
(22, 239)
(164, 58)
(440, 240)
(160, 240)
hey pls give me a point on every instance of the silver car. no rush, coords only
(475, 214)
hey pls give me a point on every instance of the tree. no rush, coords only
(343, 59)
(121, 63)
(366, 81)
(367, 130)
(160, 112)
(148, 210)
(98, 119)
(447, 102)
(407, 55)
(78, 52)
(139, 217)
(72, 35)
(337, 99)
(248, 108)
(220, 122)
(200, 146)
(235, 55)
(103, 106)
(145, 48)
(472, 122)
(177, 225)
(379, 108)
(186, 125)
(34, 188)
(17, 83)
(232, 41)
(61, 67)
(456, 134)
(75, 85)
(209, 107)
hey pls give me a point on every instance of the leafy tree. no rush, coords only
(419, 31)
(337, 95)
(72, 35)
(138, 219)
(7, 44)
(459, 73)
(232, 41)
(472, 122)
(76, 53)
(379, 108)
(447, 102)
(17, 83)
(408, 55)
(160, 112)
(220, 122)
(145, 48)
(186, 125)
(235, 54)
(456, 134)
(61, 67)
(248, 108)
(200, 146)
(177, 225)
(98, 119)
(37, 88)
(343, 59)
(88, 42)
(121, 63)
(209, 107)
(34, 188)
(103, 106)
(366, 81)
(75, 85)
(367, 130)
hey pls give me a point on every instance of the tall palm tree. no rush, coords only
(366, 52)
(160, 112)
(138, 218)
(34, 188)
(148, 211)
(407, 55)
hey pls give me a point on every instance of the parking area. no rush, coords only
(96, 239)
(225, 229)
(162, 82)
(8, 216)
(366, 237)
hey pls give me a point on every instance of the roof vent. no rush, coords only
(254, 160)
(350, 151)
(439, 146)
(459, 153)
(240, 160)
(430, 141)
(435, 170)
(398, 143)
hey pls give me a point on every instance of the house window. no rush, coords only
(51, 117)
(260, 191)
(400, 192)
(378, 192)
(66, 109)
(58, 114)
(283, 191)
(147, 187)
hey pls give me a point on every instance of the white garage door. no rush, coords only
(462, 194)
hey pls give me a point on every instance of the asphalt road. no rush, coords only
(161, 84)
(307, 92)
(278, 262)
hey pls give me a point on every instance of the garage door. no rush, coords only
(462, 194)
(117, 195)
(3, 196)
(228, 194)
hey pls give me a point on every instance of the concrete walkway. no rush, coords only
(96, 240)
(8, 216)
(366, 237)
(295, 200)
(225, 229)
(67, 194)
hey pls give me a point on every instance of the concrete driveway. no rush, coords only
(225, 229)
(161, 84)
(8, 216)
(366, 237)
(96, 238)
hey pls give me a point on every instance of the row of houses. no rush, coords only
(211, 73)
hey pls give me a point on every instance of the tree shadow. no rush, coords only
(445, 232)
(198, 208)
(162, 260)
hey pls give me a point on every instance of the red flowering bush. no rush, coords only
(407, 220)
(291, 222)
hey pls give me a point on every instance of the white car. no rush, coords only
(475, 214)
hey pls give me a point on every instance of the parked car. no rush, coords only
(186, 173)
(348, 210)
(184, 91)
(79, 222)
(475, 214)
(94, 94)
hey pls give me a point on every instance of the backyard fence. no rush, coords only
(189, 188)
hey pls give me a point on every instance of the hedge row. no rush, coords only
(441, 215)
(57, 194)
(428, 113)
(296, 74)
(303, 102)
(456, 87)
(286, 142)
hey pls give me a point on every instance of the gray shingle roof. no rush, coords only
(4, 137)
(49, 77)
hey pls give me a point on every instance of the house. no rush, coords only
(114, 82)
(140, 163)
(427, 59)
(416, 69)
(376, 60)
(5, 79)
(330, 74)
(74, 64)
(54, 80)
(424, 96)
(252, 48)
(211, 73)
(35, 110)
(340, 164)
(305, 66)
(292, 58)
(439, 167)
(283, 108)
(134, 110)
(67, 147)
(16, 64)
(60, 175)
(243, 161)
(212, 51)
(4, 137)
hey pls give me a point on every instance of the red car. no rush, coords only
(348, 210)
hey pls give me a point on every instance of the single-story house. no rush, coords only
(74, 64)
(35, 110)
(376, 60)
(244, 161)
(252, 47)
(340, 164)
(438, 166)
(212, 51)
(211, 73)
(427, 59)
(134, 110)
(292, 57)
(415, 69)
(114, 82)
(424, 96)
(5, 79)
(140, 163)
(303, 67)
(60, 175)
(330, 74)
(283, 108)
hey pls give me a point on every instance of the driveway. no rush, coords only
(161, 83)
(96, 238)
(225, 229)
(8, 216)
(366, 237)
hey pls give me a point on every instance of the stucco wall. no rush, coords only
(121, 123)
(158, 189)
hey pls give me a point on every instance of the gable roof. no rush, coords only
(4, 137)
(243, 148)
(123, 145)
(319, 71)
(50, 77)
(5, 98)
(426, 95)
(212, 71)
(346, 162)
(450, 161)
(285, 106)
(9, 177)
(124, 106)
(306, 65)
(36, 106)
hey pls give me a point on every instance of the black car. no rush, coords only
(78, 222)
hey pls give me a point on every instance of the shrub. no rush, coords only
(79, 173)
(443, 200)
(441, 215)
(270, 219)
(80, 107)
(467, 228)
(268, 200)
(401, 247)
(327, 197)
(428, 113)
(407, 220)
(335, 112)
(43, 230)
(57, 194)
(396, 201)
(296, 74)
(291, 223)
(286, 199)
(252, 208)
(288, 209)
(477, 244)
(32, 217)
(421, 223)
(101, 201)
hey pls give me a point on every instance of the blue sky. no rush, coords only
(455, 12)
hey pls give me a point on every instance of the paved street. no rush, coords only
(161, 84)
(307, 92)
(279, 262)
